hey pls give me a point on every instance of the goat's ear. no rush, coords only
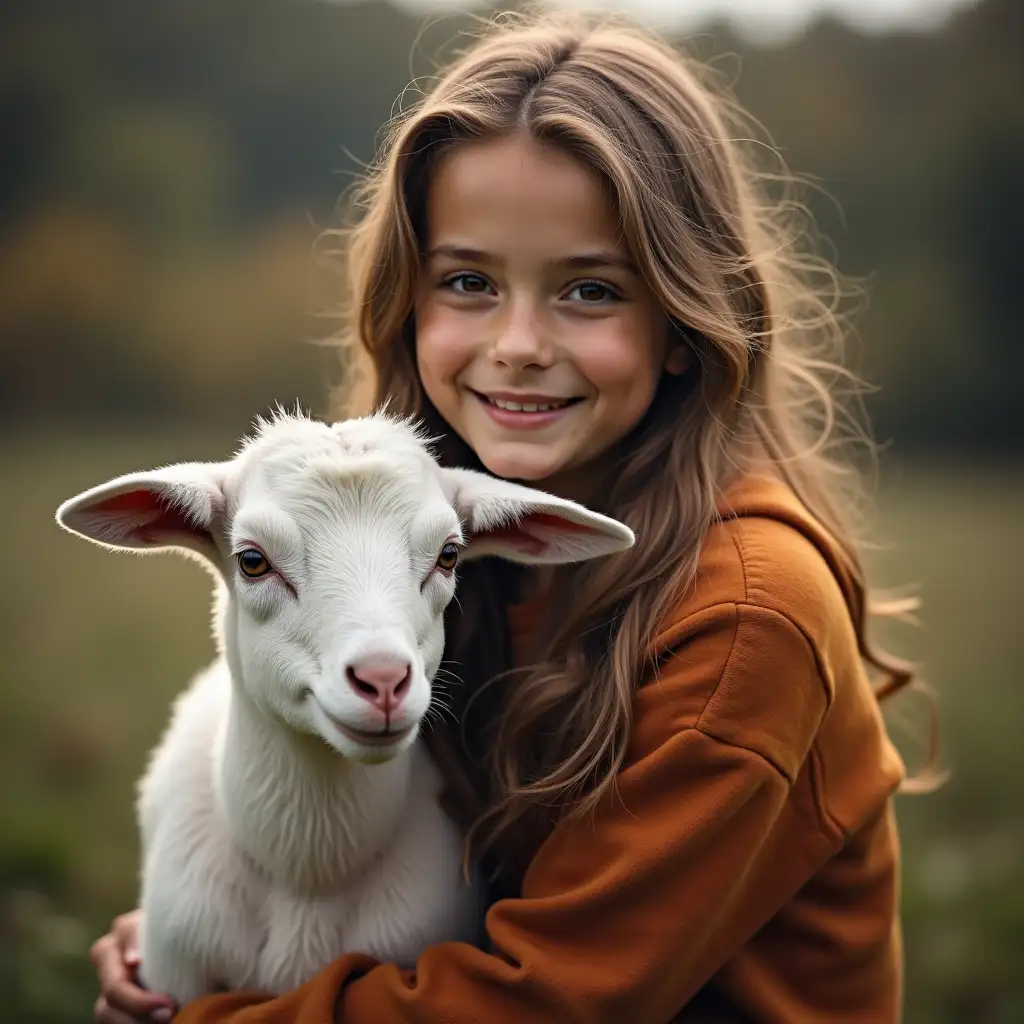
(178, 506)
(525, 525)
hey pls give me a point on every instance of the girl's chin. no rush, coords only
(528, 470)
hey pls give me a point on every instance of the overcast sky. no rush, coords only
(767, 19)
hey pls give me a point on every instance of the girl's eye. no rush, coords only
(253, 563)
(471, 284)
(593, 292)
(448, 558)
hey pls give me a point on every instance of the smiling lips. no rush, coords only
(524, 411)
(366, 737)
(372, 739)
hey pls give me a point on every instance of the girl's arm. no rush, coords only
(628, 913)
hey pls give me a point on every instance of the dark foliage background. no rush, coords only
(165, 167)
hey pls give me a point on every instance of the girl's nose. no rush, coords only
(521, 342)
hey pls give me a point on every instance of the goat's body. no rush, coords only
(266, 855)
(290, 813)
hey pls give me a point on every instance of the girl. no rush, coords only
(672, 761)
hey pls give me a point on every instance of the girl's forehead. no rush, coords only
(515, 193)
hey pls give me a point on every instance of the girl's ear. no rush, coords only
(524, 525)
(678, 359)
(679, 353)
(174, 507)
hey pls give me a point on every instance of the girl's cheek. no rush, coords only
(442, 345)
(612, 358)
(438, 351)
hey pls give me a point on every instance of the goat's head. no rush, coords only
(337, 548)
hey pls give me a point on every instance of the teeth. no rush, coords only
(527, 406)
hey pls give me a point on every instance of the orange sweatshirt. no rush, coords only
(745, 866)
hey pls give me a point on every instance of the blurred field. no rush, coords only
(94, 646)
(166, 167)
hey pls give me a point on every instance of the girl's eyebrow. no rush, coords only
(582, 261)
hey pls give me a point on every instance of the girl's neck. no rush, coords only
(583, 485)
(535, 582)
(588, 485)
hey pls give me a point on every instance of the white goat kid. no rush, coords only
(289, 814)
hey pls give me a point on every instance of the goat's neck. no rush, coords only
(302, 812)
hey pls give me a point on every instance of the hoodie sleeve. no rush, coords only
(626, 914)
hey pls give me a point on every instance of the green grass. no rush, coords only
(957, 534)
(95, 646)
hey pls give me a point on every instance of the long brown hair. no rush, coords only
(724, 253)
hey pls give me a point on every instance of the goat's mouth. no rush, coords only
(385, 737)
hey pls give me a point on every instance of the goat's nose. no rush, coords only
(383, 683)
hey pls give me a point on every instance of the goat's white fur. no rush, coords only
(273, 841)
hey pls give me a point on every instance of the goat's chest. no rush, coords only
(410, 896)
(298, 936)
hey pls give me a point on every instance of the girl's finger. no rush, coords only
(103, 1013)
(119, 990)
(125, 996)
(126, 930)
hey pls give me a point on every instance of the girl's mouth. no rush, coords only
(527, 412)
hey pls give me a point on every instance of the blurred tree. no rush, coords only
(165, 169)
(152, 149)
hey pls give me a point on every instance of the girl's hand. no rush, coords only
(116, 958)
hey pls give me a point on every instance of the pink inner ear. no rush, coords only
(546, 519)
(153, 519)
(136, 502)
(519, 535)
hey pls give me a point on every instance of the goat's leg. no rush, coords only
(178, 958)
(170, 969)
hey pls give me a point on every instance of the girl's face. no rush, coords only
(537, 339)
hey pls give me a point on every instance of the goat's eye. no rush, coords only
(448, 558)
(253, 563)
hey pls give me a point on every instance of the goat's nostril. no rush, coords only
(365, 688)
(383, 683)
